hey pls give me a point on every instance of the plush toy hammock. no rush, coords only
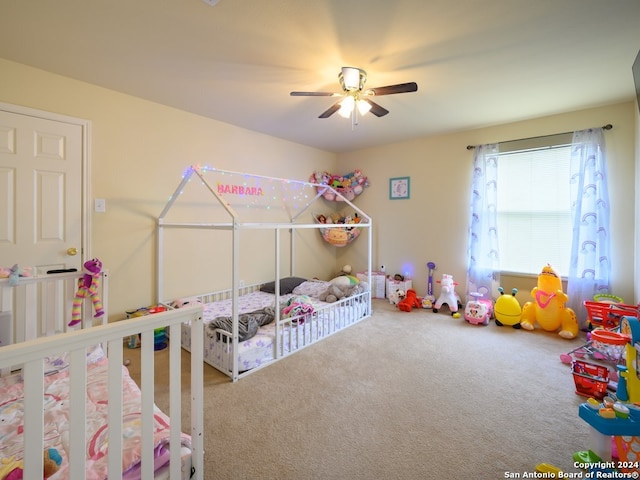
(349, 186)
(338, 234)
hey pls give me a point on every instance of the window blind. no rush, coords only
(534, 209)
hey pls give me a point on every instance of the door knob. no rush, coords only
(71, 251)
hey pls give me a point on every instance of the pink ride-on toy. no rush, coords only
(478, 310)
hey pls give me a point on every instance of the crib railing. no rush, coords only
(298, 332)
(30, 356)
(227, 294)
(42, 306)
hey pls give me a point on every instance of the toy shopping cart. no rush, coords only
(607, 315)
(605, 342)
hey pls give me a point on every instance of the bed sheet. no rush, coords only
(246, 303)
(56, 425)
(261, 348)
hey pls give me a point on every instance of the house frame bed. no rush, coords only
(43, 305)
(233, 193)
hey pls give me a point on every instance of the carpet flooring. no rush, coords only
(401, 395)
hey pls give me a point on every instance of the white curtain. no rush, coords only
(590, 259)
(483, 274)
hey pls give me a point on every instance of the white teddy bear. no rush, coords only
(396, 297)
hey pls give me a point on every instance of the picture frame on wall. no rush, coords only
(399, 188)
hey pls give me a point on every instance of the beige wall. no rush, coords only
(140, 149)
(432, 225)
(636, 229)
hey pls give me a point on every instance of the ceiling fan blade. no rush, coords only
(330, 111)
(391, 89)
(314, 94)
(376, 109)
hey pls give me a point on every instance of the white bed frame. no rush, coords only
(230, 204)
(290, 336)
(30, 349)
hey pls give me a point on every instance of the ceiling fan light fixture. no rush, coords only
(346, 106)
(352, 79)
(356, 101)
(363, 106)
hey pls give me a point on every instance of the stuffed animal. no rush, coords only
(14, 273)
(334, 293)
(410, 301)
(395, 297)
(448, 294)
(10, 469)
(345, 280)
(52, 462)
(548, 307)
(337, 292)
(360, 182)
(346, 192)
(348, 186)
(88, 287)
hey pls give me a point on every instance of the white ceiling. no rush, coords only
(476, 62)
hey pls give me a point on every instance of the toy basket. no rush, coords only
(338, 234)
(607, 315)
(611, 345)
(591, 380)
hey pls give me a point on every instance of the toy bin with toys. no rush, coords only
(591, 380)
(159, 334)
(398, 282)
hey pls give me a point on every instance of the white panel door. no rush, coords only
(41, 164)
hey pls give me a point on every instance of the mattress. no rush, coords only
(56, 428)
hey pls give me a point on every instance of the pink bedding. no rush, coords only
(56, 395)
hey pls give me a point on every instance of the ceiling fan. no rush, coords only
(356, 99)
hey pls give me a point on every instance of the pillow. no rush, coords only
(286, 285)
(311, 288)
(345, 280)
(56, 363)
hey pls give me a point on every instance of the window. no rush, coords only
(534, 209)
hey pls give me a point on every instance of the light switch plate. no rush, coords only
(100, 205)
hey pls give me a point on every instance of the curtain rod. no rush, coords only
(608, 126)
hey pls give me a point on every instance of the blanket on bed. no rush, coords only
(248, 323)
(56, 428)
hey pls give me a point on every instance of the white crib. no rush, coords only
(38, 309)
